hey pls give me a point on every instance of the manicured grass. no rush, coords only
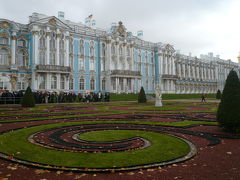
(163, 148)
(134, 97)
(123, 97)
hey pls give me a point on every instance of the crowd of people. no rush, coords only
(7, 97)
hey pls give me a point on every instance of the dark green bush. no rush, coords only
(142, 96)
(228, 114)
(28, 99)
(219, 94)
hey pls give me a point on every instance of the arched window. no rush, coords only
(54, 82)
(62, 83)
(103, 84)
(4, 57)
(92, 84)
(21, 58)
(81, 84)
(4, 40)
(42, 82)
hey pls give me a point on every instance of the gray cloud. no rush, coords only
(178, 22)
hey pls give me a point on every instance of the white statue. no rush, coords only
(158, 100)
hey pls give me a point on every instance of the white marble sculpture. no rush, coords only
(158, 99)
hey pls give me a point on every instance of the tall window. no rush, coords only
(146, 84)
(146, 69)
(21, 58)
(113, 83)
(103, 84)
(52, 57)
(21, 85)
(42, 43)
(140, 67)
(120, 50)
(103, 50)
(81, 63)
(52, 45)
(62, 83)
(113, 49)
(103, 64)
(4, 83)
(121, 84)
(81, 48)
(81, 84)
(128, 51)
(3, 57)
(92, 84)
(92, 64)
(42, 82)
(54, 82)
(91, 51)
(71, 61)
(42, 56)
(3, 40)
(71, 84)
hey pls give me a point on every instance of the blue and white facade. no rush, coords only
(55, 54)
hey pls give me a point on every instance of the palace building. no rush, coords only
(55, 54)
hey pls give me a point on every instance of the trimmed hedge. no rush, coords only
(228, 114)
(142, 96)
(28, 99)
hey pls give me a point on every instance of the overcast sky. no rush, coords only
(196, 26)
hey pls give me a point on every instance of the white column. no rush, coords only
(58, 81)
(117, 54)
(189, 71)
(67, 82)
(194, 74)
(174, 66)
(48, 50)
(13, 48)
(67, 51)
(48, 85)
(57, 52)
(184, 72)
(33, 80)
(36, 43)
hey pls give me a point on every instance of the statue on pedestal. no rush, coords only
(158, 99)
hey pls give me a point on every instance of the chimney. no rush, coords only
(140, 34)
(61, 15)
